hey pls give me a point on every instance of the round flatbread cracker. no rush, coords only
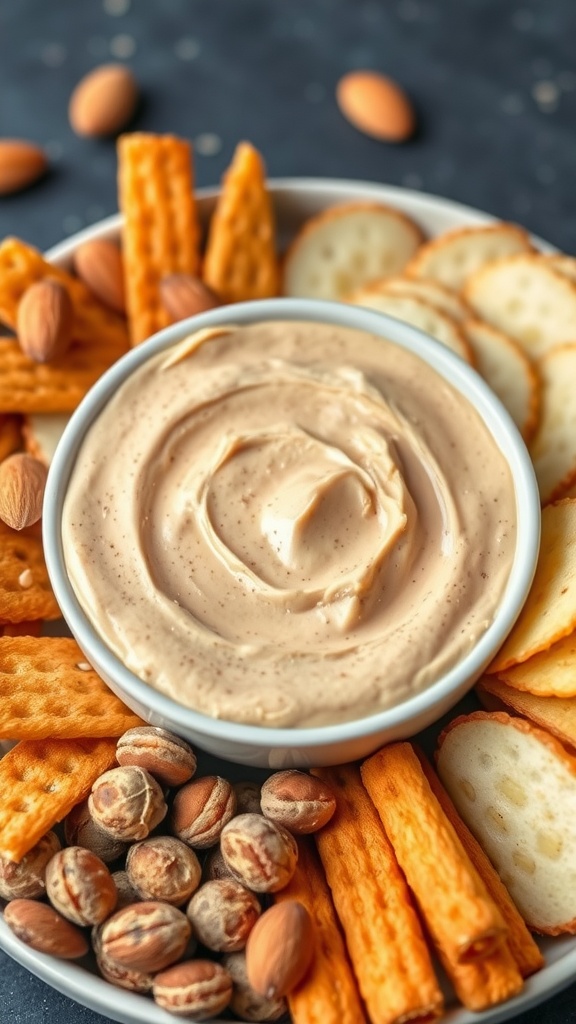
(454, 256)
(420, 314)
(553, 448)
(437, 294)
(552, 673)
(504, 365)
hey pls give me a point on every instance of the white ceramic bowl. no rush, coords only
(329, 744)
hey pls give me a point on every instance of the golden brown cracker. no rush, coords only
(10, 435)
(47, 689)
(161, 231)
(25, 591)
(240, 261)
(40, 782)
(556, 714)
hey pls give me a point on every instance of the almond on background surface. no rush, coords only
(21, 164)
(22, 483)
(44, 320)
(104, 101)
(184, 295)
(376, 105)
(98, 263)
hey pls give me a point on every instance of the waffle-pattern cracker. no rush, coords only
(99, 338)
(48, 690)
(240, 262)
(41, 781)
(20, 602)
(161, 230)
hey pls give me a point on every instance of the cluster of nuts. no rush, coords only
(148, 919)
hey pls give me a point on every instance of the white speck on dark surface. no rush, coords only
(53, 55)
(546, 93)
(207, 144)
(123, 46)
(116, 8)
(187, 48)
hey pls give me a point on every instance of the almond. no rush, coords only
(280, 949)
(21, 164)
(376, 105)
(44, 322)
(104, 101)
(98, 264)
(42, 928)
(22, 483)
(184, 295)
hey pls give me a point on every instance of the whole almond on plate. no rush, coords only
(280, 949)
(98, 263)
(21, 164)
(376, 105)
(44, 929)
(104, 101)
(22, 483)
(44, 320)
(184, 295)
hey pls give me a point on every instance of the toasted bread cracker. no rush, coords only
(418, 313)
(556, 714)
(551, 673)
(161, 234)
(526, 298)
(21, 600)
(240, 261)
(563, 264)
(511, 374)
(40, 782)
(41, 433)
(46, 691)
(515, 787)
(347, 247)
(553, 448)
(455, 255)
(550, 609)
(10, 435)
(432, 292)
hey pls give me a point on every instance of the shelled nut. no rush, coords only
(260, 854)
(27, 879)
(80, 886)
(127, 802)
(80, 829)
(201, 809)
(197, 989)
(163, 868)
(246, 1003)
(45, 930)
(118, 974)
(299, 802)
(280, 949)
(145, 936)
(167, 757)
(223, 913)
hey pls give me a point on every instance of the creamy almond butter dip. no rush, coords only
(292, 524)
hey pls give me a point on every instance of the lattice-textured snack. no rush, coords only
(161, 233)
(240, 261)
(25, 591)
(99, 338)
(40, 782)
(47, 689)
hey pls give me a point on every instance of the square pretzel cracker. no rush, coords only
(20, 600)
(99, 338)
(47, 689)
(161, 234)
(41, 781)
(240, 261)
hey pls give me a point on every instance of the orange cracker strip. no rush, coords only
(161, 231)
(329, 993)
(99, 338)
(383, 935)
(240, 261)
(556, 714)
(522, 946)
(40, 782)
(25, 591)
(461, 917)
(47, 689)
(10, 435)
(33, 628)
(487, 982)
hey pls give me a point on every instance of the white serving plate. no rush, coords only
(295, 200)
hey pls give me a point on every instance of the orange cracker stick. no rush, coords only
(389, 955)
(329, 993)
(522, 946)
(40, 782)
(240, 261)
(25, 591)
(461, 917)
(556, 714)
(33, 628)
(161, 231)
(47, 689)
(486, 982)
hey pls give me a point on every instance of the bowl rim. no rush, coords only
(445, 362)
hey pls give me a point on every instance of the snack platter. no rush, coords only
(294, 200)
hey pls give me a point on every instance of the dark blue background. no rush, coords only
(494, 84)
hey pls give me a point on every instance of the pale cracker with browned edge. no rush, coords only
(556, 714)
(29, 596)
(553, 447)
(455, 255)
(420, 314)
(511, 374)
(161, 233)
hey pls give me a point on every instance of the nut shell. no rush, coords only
(280, 949)
(163, 868)
(167, 757)
(80, 829)
(45, 930)
(127, 803)
(260, 854)
(27, 879)
(245, 1002)
(223, 913)
(198, 989)
(80, 886)
(145, 936)
(299, 802)
(201, 809)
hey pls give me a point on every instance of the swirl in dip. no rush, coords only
(289, 524)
